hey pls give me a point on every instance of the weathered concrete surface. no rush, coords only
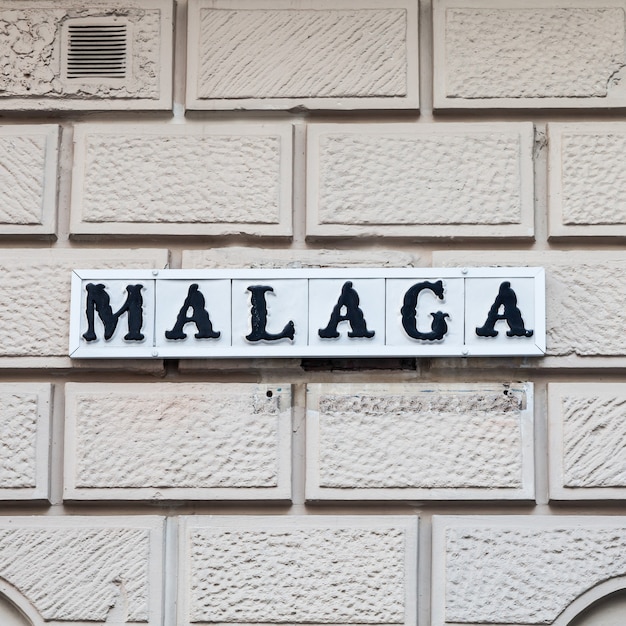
(28, 172)
(187, 179)
(415, 441)
(31, 75)
(75, 569)
(183, 441)
(587, 179)
(271, 54)
(332, 570)
(587, 434)
(425, 180)
(520, 569)
(24, 433)
(265, 258)
(512, 54)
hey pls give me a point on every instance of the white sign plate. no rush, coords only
(171, 314)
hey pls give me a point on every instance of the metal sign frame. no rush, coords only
(308, 297)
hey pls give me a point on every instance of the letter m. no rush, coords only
(98, 301)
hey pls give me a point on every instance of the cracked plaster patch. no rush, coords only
(32, 66)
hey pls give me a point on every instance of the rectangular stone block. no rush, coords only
(587, 181)
(406, 441)
(315, 54)
(183, 179)
(529, 53)
(24, 440)
(420, 180)
(584, 302)
(177, 441)
(524, 569)
(295, 570)
(83, 569)
(35, 299)
(72, 55)
(266, 258)
(28, 179)
(587, 433)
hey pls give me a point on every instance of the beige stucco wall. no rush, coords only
(306, 134)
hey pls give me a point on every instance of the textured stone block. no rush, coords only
(264, 258)
(294, 570)
(177, 441)
(83, 569)
(39, 36)
(522, 569)
(587, 434)
(35, 298)
(24, 440)
(274, 54)
(420, 180)
(419, 441)
(584, 299)
(28, 177)
(185, 179)
(587, 179)
(489, 53)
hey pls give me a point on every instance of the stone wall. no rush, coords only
(313, 134)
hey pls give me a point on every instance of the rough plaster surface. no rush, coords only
(35, 294)
(264, 258)
(76, 571)
(423, 180)
(421, 436)
(533, 52)
(594, 433)
(332, 571)
(30, 36)
(579, 288)
(23, 409)
(588, 178)
(587, 432)
(179, 174)
(22, 178)
(184, 435)
(262, 53)
(521, 570)
(425, 175)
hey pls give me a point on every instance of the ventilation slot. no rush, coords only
(97, 51)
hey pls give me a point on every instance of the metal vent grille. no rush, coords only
(97, 50)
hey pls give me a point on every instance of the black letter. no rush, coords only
(258, 317)
(409, 313)
(195, 301)
(506, 298)
(350, 299)
(98, 299)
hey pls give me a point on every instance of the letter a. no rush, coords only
(200, 317)
(349, 299)
(506, 299)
